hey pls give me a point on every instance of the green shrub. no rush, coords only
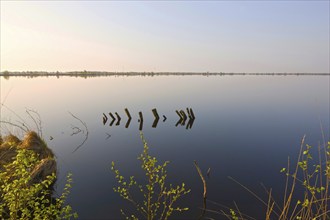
(159, 199)
(21, 199)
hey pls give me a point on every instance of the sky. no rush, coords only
(169, 36)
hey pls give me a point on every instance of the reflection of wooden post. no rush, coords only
(178, 122)
(113, 121)
(190, 123)
(128, 122)
(141, 121)
(154, 124)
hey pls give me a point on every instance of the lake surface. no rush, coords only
(245, 127)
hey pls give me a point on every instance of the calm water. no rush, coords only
(245, 127)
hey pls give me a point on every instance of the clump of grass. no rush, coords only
(159, 199)
(313, 176)
(32, 141)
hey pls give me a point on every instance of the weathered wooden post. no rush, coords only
(118, 118)
(111, 115)
(179, 114)
(188, 112)
(129, 118)
(127, 113)
(154, 111)
(113, 119)
(105, 119)
(141, 121)
(184, 116)
(154, 124)
(192, 113)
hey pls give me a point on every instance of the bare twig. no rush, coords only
(34, 119)
(204, 186)
(23, 122)
(75, 130)
(245, 216)
(15, 125)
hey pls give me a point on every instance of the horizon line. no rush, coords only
(87, 72)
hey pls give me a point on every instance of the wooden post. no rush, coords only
(184, 116)
(192, 113)
(141, 121)
(188, 112)
(113, 118)
(105, 119)
(154, 111)
(179, 114)
(127, 113)
(111, 115)
(118, 118)
(141, 116)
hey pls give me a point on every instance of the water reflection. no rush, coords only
(183, 117)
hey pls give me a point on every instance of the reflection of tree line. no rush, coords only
(88, 74)
(184, 117)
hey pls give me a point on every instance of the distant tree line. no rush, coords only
(86, 74)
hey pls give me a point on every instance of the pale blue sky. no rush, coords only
(197, 36)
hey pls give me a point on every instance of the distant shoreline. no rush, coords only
(97, 74)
